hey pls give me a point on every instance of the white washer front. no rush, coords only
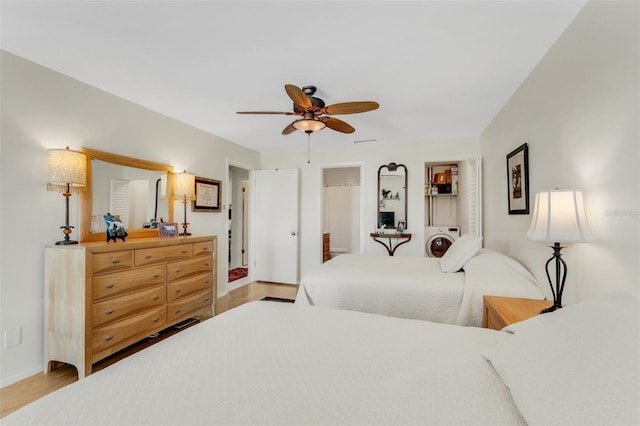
(438, 239)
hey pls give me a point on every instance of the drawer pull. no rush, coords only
(178, 311)
(178, 291)
(107, 338)
(184, 252)
(110, 285)
(156, 319)
(109, 312)
(115, 260)
(206, 282)
(178, 270)
(148, 256)
(156, 298)
(156, 275)
(206, 300)
(206, 264)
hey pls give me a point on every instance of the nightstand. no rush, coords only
(498, 311)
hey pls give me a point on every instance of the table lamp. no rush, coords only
(558, 217)
(185, 188)
(66, 173)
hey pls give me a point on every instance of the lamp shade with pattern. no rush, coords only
(66, 173)
(185, 189)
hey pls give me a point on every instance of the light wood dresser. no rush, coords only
(102, 297)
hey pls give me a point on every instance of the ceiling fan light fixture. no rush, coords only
(309, 125)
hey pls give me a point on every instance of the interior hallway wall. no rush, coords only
(578, 112)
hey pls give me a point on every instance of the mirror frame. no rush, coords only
(86, 197)
(392, 167)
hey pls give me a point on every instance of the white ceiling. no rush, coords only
(439, 69)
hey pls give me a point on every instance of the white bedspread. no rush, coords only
(271, 363)
(415, 287)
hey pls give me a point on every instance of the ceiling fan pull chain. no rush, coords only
(308, 148)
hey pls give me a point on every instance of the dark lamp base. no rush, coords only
(66, 242)
(184, 234)
(550, 309)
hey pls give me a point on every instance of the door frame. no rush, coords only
(228, 197)
(362, 166)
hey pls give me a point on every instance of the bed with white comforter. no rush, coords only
(270, 363)
(416, 287)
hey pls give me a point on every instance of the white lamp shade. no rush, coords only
(309, 125)
(559, 216)
(66, 167)
(185, 184)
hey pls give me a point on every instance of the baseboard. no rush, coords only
(21, 376)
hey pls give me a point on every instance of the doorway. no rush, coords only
(238, 227)
(342, 210)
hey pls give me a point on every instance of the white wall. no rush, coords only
(42, 109)
(412, 155)
(578, 111)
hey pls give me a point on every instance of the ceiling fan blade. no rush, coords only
(265, 112)
(289, 129)
(297, 96)
(337, 125)
(351, 107)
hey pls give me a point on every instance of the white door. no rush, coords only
(275, 225)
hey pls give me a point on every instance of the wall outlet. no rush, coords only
(12, 337)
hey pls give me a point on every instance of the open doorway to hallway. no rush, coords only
(341, 210)
(238, 227)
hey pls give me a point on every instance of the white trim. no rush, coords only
(228, 198)
(22, 375)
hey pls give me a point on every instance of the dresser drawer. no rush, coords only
(186, 268)
(162, 254)
(112, 261)
(111, 338)
(187, 306)
(200, 249)
(119, 283)
(131, 304)
(185, 287)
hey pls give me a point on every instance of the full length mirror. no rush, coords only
(136, 190)
(392, 196)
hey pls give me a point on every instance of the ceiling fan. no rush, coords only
(314, 113)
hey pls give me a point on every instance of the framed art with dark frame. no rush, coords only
(518, 180)
(208, 195)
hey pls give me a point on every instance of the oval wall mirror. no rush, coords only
(392, 196)
(137, 190)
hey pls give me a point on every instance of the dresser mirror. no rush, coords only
(392, 196)
(137, 190)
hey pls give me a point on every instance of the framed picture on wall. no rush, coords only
(208, 195)
(518, 180)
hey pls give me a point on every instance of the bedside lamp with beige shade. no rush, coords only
(558, 217)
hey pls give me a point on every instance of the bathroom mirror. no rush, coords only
(392, 195)
(138, 190)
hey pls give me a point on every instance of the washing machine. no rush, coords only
(438, 239)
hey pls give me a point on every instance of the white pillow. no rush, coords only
(578, 365)
(462, 249)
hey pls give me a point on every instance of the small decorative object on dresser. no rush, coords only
(167, 230)
(115, 228)
(499, 312)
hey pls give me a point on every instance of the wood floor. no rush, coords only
(19, 394)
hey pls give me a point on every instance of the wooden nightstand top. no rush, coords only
(500, 311)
